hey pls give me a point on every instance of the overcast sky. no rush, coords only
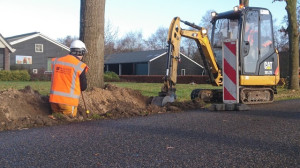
(60, 18)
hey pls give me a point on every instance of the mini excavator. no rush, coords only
(258, 64)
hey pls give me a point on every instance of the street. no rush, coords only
(268, 135)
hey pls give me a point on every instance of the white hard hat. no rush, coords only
(78, 46)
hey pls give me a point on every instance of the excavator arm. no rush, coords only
(175, 33)
(206, 52)
(173, 57)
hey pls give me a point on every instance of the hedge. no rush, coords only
(15, 75)
(111, 77)
(199, 79)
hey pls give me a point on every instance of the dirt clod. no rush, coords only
(26, 108)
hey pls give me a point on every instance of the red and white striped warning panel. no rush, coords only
(230, 72)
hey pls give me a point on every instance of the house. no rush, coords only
(5, 50)
(34, 52)
(151, 62)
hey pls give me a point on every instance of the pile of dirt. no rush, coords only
(23, 108)
(26, 108)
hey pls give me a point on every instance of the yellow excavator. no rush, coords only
(258, 65)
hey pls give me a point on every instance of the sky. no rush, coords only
(60, 18)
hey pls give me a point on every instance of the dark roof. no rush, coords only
(24, 37)
(18, 37)
(6, 43)
(133, 57)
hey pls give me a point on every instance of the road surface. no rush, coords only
(266, 136)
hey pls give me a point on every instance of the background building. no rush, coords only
(151, 62)
(34, 52)
(5, 50)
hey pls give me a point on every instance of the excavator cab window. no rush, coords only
(224, 29)
(250, 47)
(266, 35)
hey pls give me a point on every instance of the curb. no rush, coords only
(229, 107)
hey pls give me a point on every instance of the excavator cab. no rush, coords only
(252, 27)
(258, 51)
(258, 58)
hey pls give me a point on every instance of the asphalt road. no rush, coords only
(266, 136)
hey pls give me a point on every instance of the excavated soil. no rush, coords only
(26, 108)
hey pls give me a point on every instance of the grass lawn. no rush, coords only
(183, 91)
(148, 89)
(43, 87)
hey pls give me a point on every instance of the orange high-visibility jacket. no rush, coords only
(251, 36)
(65, 83)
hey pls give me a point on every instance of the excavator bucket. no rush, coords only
(161, 101)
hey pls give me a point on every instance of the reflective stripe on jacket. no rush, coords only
(65, 83)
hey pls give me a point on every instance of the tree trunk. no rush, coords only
(244, 2)
(92, 34)
(293, 44)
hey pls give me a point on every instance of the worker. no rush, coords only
(68, 80)
(252, 37)
(267, 43)
(251, 34)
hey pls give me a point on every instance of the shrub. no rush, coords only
(5, 75)
(111, 77)
(40, 75)
(15, 75)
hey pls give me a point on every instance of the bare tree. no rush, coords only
(92, 34)
(281, 32)
(110, 38)
(132, 41)
(189, 47)
(205, 22)
(67, 40)
(158, 39)
(151, 43)
(293, 32)
(285, 20)
(283, 39)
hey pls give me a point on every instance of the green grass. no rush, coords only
(43, 87)
(148, 89)
(183, 91)
(287, 94)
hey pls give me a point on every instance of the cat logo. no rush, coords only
(268, 65)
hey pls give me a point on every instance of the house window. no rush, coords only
(38, 47)
(182, 72)
(34, 71)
